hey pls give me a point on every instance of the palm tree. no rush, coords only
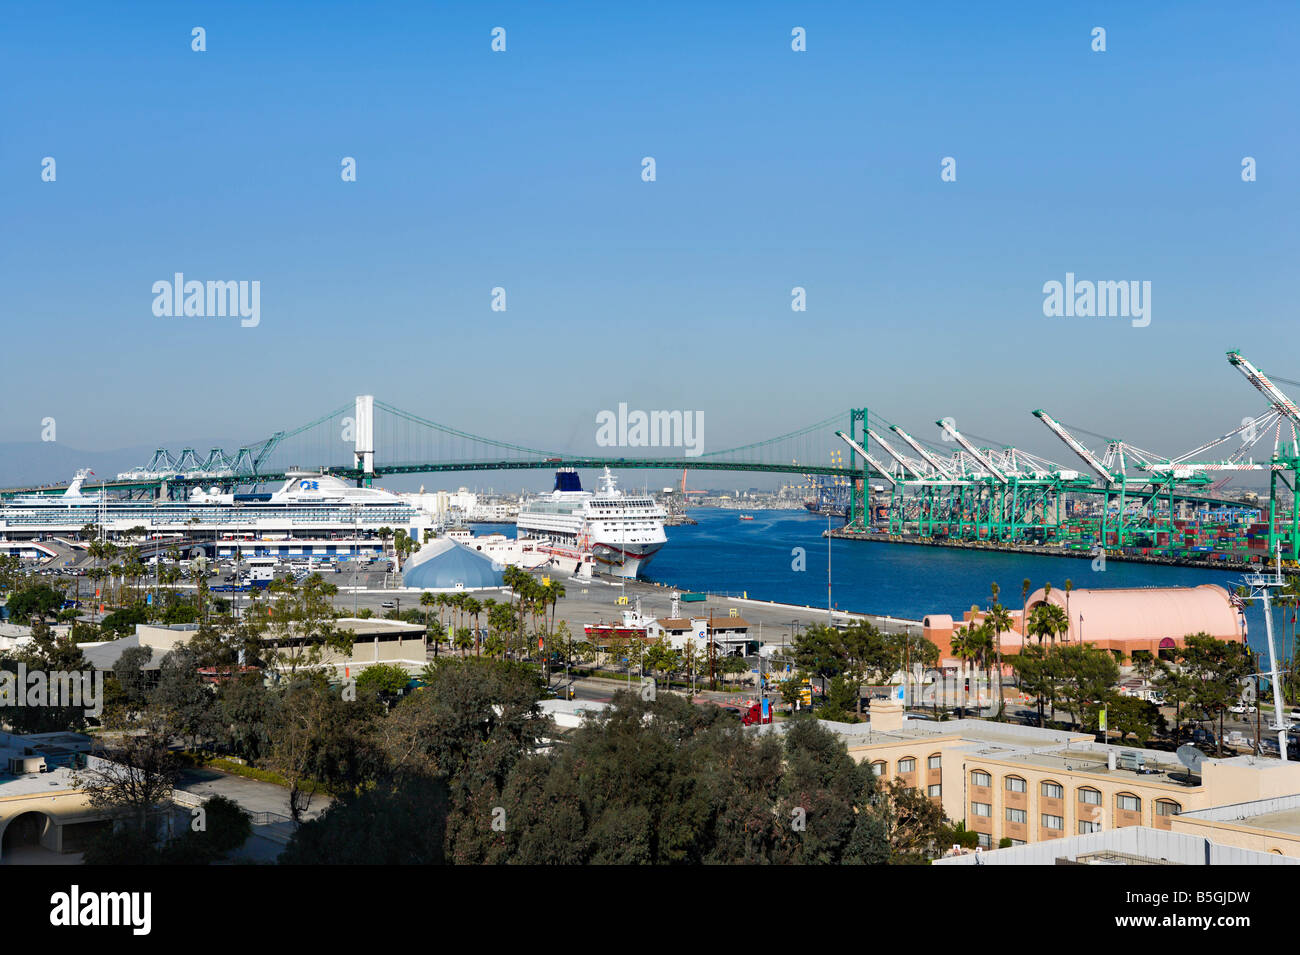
(556, 593)
(963, 647)
(428, 601)
(443, 601)
(980, 647)
(1025, 587)
(999, 622)
(1069, 585)
(501, 618)
(1058, 622)
(472, 609)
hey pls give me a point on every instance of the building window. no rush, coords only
(985, 840)
(935, 791)
(1052, 791)
(934, 761)
(1015, 784)
(1053, 822)
(980, 778)
(1165, 807)
(1090, 796)
(1017, 815)
(981, 809)
(1017, 842)
(1087, 827)
(1130, 803)
(878, 769)
(907, 765)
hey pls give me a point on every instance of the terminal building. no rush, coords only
(374, 641)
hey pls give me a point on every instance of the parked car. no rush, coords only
(1241, 709)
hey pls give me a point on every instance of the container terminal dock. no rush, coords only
(1127, 503)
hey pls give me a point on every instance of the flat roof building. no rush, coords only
(1030, 785)
(41, 809)
(375, 640)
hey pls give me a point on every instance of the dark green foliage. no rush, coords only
(246, 712)
(130, 675)
(226, 827)
(40, 601)
(51, 655)
(470, 776)
(122, 623)
(403, 825)
(190, 701)
(384, 681)
(126, 846)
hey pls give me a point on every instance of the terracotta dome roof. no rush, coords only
(1146, 613)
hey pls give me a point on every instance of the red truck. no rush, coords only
(754, 715)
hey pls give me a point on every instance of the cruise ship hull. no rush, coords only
(627, 561)
(620, 532)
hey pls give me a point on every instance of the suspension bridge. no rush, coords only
(961, 487)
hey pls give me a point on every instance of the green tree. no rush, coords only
(819, 651)
(1217, 669)
(129, 671)
(1086, 677)
(1034, 673)
(42, 601)
(302, 625)
(382, 681)
(190, 702)
(320, 739)
(1130, 716)
(134, 779)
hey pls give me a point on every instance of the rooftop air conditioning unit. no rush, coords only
(1131, 760)
(22, 765)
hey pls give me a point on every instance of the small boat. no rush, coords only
(746, 517)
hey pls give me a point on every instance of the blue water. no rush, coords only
(723, 554)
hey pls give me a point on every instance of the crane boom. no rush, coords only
(926, 456)
(1250, 423)
(894, 454)
(974, 452)
(884, 471)
(1269, 390)
(1074, 445)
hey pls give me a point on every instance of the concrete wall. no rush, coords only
(59, 809)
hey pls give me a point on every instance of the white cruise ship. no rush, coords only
(307, 504)
(622, 531)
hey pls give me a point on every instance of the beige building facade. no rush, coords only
(1028, 785)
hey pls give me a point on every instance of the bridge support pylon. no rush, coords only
(365, 439)
(860, 490)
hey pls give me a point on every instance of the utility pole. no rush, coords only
(829, 618)
(713, 679)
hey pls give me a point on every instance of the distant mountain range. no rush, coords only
(30, 463)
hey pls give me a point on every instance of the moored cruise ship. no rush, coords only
(622, 531)
(308, 504)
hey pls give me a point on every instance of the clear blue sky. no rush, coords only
(522, 170)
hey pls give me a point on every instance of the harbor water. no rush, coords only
(782, 556)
